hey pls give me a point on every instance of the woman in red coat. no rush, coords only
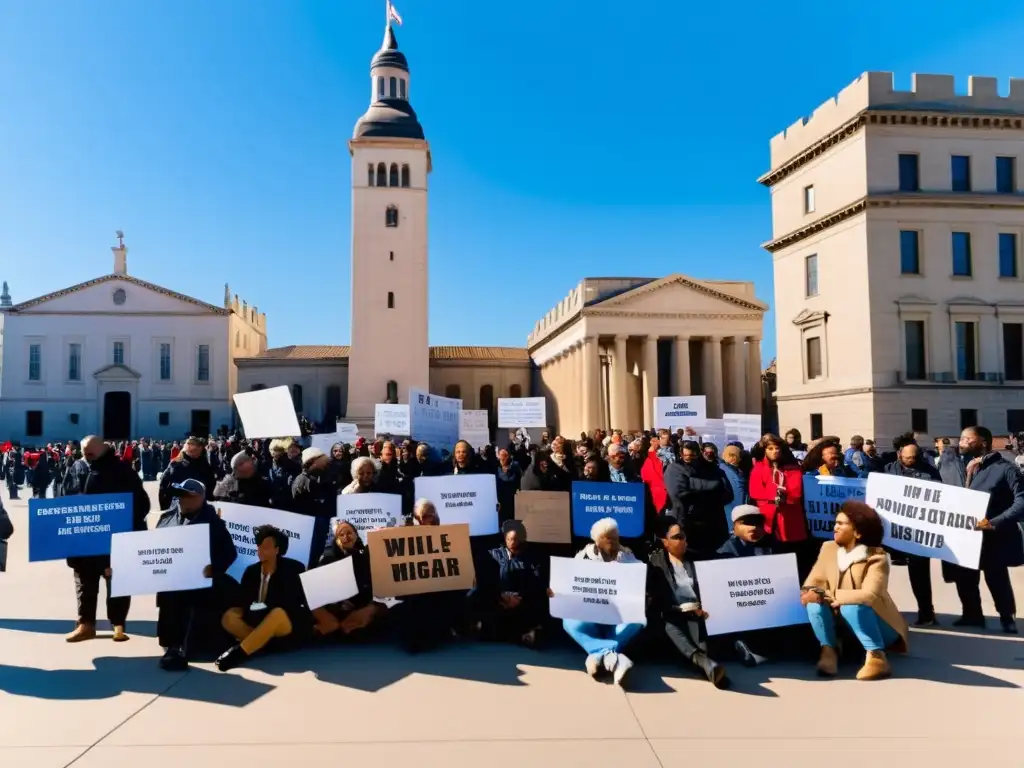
(776, 484)
(652, 473)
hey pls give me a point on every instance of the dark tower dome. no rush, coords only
(389, 55)
(390, 115)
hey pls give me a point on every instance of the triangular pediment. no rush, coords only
(116, 294)
(678, 293)
(116, 372)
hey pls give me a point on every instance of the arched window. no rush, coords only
(380, 87)
(369, 176)
(394, 87)
(401, 89)
(487, 402)
(391, 216)
(405, 175)
(453, 390)
(515, 391)
(392, 392)
(297, 397)
(382, 175)
(393, 181)
(391, 300)
(333, 400)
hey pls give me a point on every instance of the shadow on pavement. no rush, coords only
(64, 626)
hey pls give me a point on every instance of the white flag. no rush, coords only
(393, 14)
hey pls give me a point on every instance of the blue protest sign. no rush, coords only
(76, 526)
(433, 419)
(624, 502)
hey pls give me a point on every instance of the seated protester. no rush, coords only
(244, 485)
(6, 531)
(363, 470)
(675, 599)
(604, 643)
(544, 475)
(188, 622)
(512, 594)
(278, 603)
(826, 459)
(360, 611)
(851, 579)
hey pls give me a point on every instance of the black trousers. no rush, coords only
(87, 589)
(191, 621)
(968, 587)
(687, 634)
(920, 571)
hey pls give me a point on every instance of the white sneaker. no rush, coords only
(622, 669)
(593, 664)
(611, 660)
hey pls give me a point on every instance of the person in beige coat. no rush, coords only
(850, 580)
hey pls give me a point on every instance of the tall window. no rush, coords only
(910, 180)
(393, 178)
(393, 87)
(515, 391)
(118, 353)
(333, 398)
(960, 171)
(369, 175)
(910, 252)
(817, 426)
(203, 362)
(1006, 175)
(919, 419)
(913, 335)
(1015, 420)
(165, 362)
(968, 418)
(966, 351)
(74, 362)
(487, 402)
(962, 266)
(811, 275)
(453, 391)
(1007, 254)
(1013, 351)
(35, 362)
(380, 87)
(391, 300)
(401, 89)
(405, 175)
(297, 397)
(809, 199)
(392, 391)
(391, 216)
(813, 357)
(382, 175)
(33, 423)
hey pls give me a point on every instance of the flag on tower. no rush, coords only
(393, 14)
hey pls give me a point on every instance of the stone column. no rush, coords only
(591, 384)
(713, 384)
(739, 376)
(682, 382)
(754, 375)
(619, 413)
(650, 379)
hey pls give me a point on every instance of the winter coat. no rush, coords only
(360, 567)
(785, 520)
(653, 474)
(736, 547)
(186, 468)
(738, 482)
(254, 491)
(698, 493)
(509, 482)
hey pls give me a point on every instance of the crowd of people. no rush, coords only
(700, 504)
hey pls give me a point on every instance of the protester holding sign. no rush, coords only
(675, 599)
(851, 579)
(349, 617)
(980, 468)
(511, 595)
(188, 623)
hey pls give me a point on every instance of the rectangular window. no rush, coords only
(33, 423)
(809, 199)
(35, 362)
(910, 252)
(1007, 254)
(913, 335)
(960, 170)
(962, 266)
(817, 427)
(1015, 420)
(919, 419)
(966, 352)
(909, 178)
(118, 353)
(811, 275)
(203, 362)
(968, 418)
(164, 418)
(1013, 351)
(165, 361)
(74, 362)
(814, 357)
(1006, 175)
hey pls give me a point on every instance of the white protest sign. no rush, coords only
(744, 594)
(516, 412)
(241, 519)
(390, 419)
(930, 519)
(602, 593)
(328, 584)
(713, 431)
(743, 428)
(473, 428)
(347, 433)
(470, 499)
(267, 413)
(368, 511)
(324, 441)
(675, 412)
(823, 496)
(160, 560)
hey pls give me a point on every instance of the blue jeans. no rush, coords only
(873, 633)
(601, 638)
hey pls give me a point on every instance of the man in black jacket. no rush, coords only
(699, 492)
(189, 621)
(100, 471)
(191, 462)
(244, 485)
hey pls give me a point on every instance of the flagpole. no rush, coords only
(387, 12)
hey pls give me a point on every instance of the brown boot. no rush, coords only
(876, 667)
(84, 630)
(828, 662)
(119, 634)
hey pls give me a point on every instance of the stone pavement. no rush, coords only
(955, 699)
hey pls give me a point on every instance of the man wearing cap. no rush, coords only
(244, 485)
(188, 622)
(314, 494)
(748, 537)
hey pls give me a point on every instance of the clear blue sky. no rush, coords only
(573, 138)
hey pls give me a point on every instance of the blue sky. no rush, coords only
(569, 139)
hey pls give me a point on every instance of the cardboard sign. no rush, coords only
(161, 560)
(267, 413)
(414, 560)
(602, 593)
(546, 515)
(748, 593)
(76, 526)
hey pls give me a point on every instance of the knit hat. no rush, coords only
(310, 455)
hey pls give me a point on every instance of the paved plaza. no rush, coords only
(956, 698)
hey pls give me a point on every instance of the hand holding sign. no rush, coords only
(208, 572)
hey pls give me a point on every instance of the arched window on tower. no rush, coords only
(453, 390)
(405, 175)
(393, 180)
(515, 391)
(401, 89)
(487, 403)
(394, 87)
(297, 397)
(333, 398)
(392, 392)
(369, 175)
(382, 175)
(380, 87)
(391, 216)
(391, 299)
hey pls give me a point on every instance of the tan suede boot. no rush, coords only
(119, 634)
(83, 631)
(828, 662)
(876, 667)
